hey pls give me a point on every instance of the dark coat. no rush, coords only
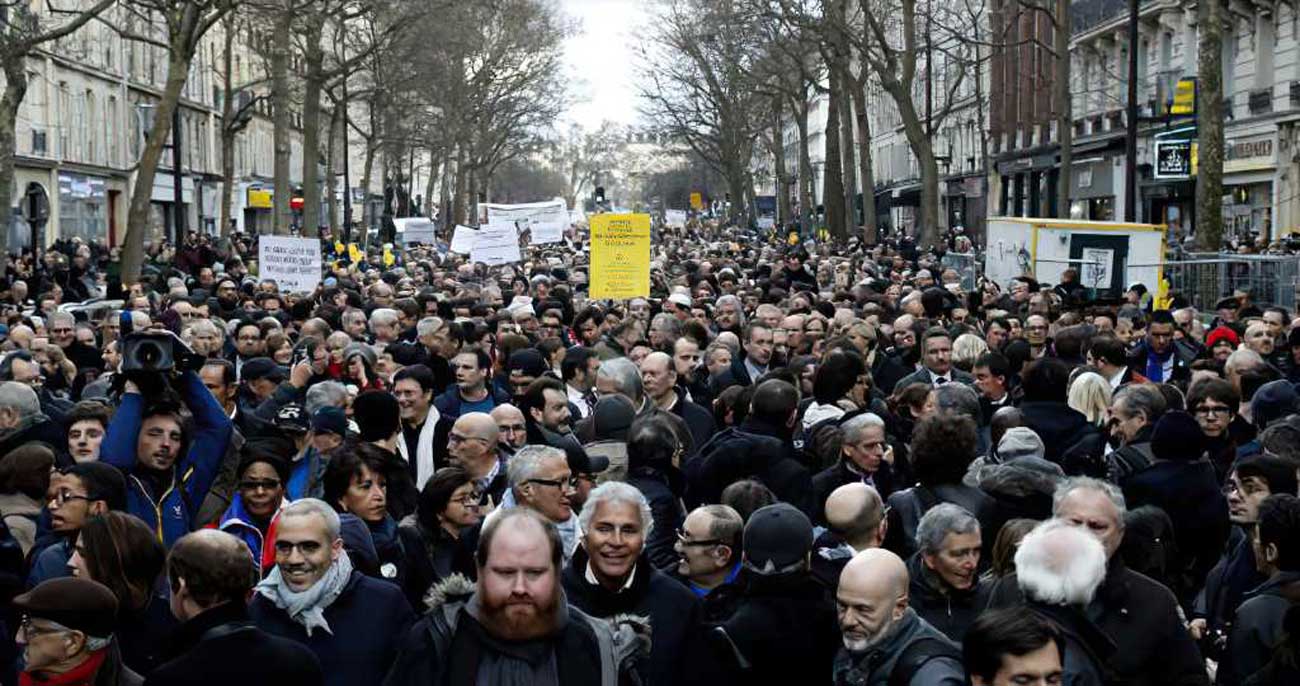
(735, 375)
(826, 481)
(1142, 619)
(886, 370)
(1258, 627)
(753, 450)
(1183, 357)
(948, 610)
(698, 420)
(222, 646)
(906, 507)
(45, 431)
(367, 620)
(1071, 440)
(922, 375)
(666, 512)
(783, 631)
(1232, 577)
(449, 403)
(672, 609)
(429, 557)
(1189, 493)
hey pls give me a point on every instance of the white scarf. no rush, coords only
(308, 607)
(423, 449)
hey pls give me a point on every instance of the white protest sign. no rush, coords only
(497, 243)
(675, 218)
(294, 263)
(462, 240)
(416, 230)
(546, 221)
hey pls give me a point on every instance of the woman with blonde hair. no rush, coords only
(1090, 395)
(966, 349)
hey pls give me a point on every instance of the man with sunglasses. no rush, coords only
(77, 493)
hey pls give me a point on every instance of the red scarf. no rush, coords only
(81, 675)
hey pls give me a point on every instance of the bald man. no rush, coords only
(855, 517)
(878, 627)
(472, 445)
(659, 378)
(511, 427)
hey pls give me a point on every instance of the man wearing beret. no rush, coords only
(66, 635)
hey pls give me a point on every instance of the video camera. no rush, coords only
(155, 351)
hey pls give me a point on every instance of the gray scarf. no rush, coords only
(519, 663)
(308, 607)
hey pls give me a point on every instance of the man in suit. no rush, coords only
(936, 361)
(748, 368)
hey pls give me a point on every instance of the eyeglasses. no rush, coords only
(511, 428)
(63, 497)
(259, 484)
(470, 500)
(31, 630)
(571, 482)
(681, 538)
(1222, 411)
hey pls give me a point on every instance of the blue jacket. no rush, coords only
(449, 402)
(237, 522)
(170, 513)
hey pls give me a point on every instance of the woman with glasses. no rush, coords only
(255, 508)
(121, 551)
(449, 505)
(356, 482)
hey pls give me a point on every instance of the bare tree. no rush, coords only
(183, 24)
(1210, 105)
(21, 32)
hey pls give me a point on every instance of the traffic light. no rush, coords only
(600, 194)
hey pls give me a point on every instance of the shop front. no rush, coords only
(83, 207)
(964, 203)
(1028, 186)
(1092, 192)
(1249, 173)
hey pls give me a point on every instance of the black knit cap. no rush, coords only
(80, 604)
(377, 414)
(1177, 437)
(777, 539)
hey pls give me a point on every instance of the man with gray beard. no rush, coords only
(882, 635)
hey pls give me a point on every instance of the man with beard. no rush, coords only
(315, 597)
(513, 626)
(729, 315)
(882, 635)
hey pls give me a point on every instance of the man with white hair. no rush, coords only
(1139, 615)
(879, 629)
(612, 577)
(385, 327)
(862, 460)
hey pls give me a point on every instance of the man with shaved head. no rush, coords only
(855, 521)
(511, 427)
(883, 638)
(211, 574)
(472, 445)
(659, 377)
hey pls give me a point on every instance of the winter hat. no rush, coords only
(1020, 441)
(1274, 400)
(377, 414)
(363, 350)
(1293, 338)
(330, 420)
(612, 418)
(1279, 473)
(1177, 437)
(1222, 334)
(528, 362)
(79, 604)
(777, 540)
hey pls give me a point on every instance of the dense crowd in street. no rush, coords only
(790, 464)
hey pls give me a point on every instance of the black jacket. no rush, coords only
(735, 375)
(672, 609)
(1183, 356)
(784, 631)
(950, 611)
(1189, 493)
(223, 647)
(1071, 440)
(753, 450)
(429, 557)
(887, 370)
(906, 507)
(663, 491)
(826, 481)
(698, 420)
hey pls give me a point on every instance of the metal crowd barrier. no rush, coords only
(1205, 278)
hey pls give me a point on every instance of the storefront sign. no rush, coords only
(1173, 159)
(260, 199)
(1250, 153)
(1184, 102)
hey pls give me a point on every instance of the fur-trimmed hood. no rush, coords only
(454, 588)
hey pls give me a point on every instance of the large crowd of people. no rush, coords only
(811, 464)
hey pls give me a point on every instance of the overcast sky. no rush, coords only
(601, 62)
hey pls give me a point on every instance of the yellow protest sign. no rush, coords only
(620, 256)
(338, 247)
(354, 253)
(697, 201)
(389, 259)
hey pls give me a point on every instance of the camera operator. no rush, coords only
(171, 456)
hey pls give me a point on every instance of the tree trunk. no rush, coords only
(15, 69)
(870, 232)
(228, 131)
(434, 157)
(331, 181)
(1210, 112)
(178, 68)
(459, 213)
(367, 170)
(1064, 117)
(313, 83)
(779, 167)
(807, 185)
(832, 174)
(281, 102)
(848, 164)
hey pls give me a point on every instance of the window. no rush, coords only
(110, 132)
(65, 119)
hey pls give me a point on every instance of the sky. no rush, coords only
(601, 61)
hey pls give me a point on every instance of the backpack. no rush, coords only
(919, 653)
